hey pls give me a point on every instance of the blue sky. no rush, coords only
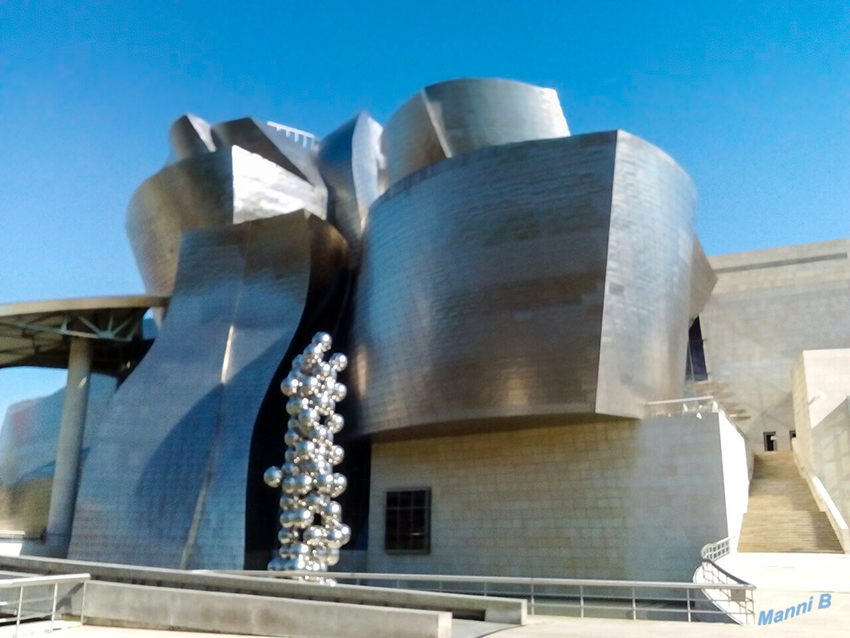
(752, 98)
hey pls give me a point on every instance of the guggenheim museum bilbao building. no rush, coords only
(547, 375)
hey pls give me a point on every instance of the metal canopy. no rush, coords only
(39, 333)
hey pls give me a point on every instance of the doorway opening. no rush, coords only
(770, 441)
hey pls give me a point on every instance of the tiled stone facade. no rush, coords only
(627, 499)
(767, 307)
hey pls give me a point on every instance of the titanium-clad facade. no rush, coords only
(483, 269)
(349, 159)
(549, 277)
(225, 174)
(167, 475)
(455, 117)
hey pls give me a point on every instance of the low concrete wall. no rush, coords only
(121, 605)
(503, 610)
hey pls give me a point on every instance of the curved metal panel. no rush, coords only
(483, 289)
(28, 441)
(228, 186)
(165, 482)
(349, 159)
(450, 118)
(189, 136)
(647, 282)
(703, 280)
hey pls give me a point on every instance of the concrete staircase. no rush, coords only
(782, 515)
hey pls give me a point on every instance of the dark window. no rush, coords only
(770, 441)
(408, 521)
(695, 369)
(793, 434)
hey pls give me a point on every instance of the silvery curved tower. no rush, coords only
(455, 117)
(550, 276)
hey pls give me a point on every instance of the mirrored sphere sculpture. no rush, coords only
(311, 521)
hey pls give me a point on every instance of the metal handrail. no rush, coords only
(25, 582)
(505, 580)
(581, 595)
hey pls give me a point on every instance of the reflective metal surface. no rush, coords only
(703, 280)
(165, 482)
(450, 118)
(225, 174)
(551, 277)
(311, 529)
(28, 441)
(349, 159)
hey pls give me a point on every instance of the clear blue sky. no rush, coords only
(752, 98)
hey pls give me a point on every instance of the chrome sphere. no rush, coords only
(336, 454)
(289, 469)
(298, 362)
(289, 456)
(290, 486)
(308, 416)
(339, 484)
(339, 392)
(305, 449)
(334, 537)
(309, 386)
(315, 502)
(324, 483)
(273, 476)
(324, 371)
(291, 437)
(301, 549)
(317, 433)
(303, 483)
(325, 404)
(313, 354)
(332, 511)
(276, 564)
(314, 535)
(338, 361)
(287, 536)
(333, 556)
(303, 518)
(335, 423)
(289, 386)
(323, 340)
(296, 405)
(346, 533)
(287, 520)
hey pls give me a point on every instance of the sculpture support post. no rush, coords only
(66, 474)
(311, 529)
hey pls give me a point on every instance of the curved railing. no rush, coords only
(736, 601)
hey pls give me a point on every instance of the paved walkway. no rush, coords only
(551, 627)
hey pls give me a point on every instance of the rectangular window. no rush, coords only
(408, 521)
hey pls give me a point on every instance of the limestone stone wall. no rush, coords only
(623, 500)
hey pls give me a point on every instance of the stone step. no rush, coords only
(788, 531)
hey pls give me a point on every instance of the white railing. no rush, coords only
(26, 608)
(716, 551)
(678, 407)
(305, 139)
(558, 596)
(728, 594)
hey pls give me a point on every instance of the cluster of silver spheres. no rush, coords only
(311, 521)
